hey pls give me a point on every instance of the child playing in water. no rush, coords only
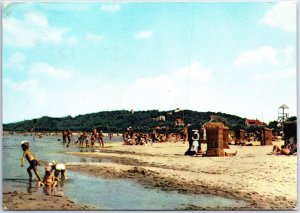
(31, 159)
(49, 179)
(59, 168)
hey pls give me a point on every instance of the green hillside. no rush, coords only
(119, 120)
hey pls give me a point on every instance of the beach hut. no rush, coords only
(225, 138)
(267, 136)
(242, 134)
(214, 134)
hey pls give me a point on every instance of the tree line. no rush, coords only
(120, 120)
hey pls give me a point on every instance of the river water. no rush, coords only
(103, 194)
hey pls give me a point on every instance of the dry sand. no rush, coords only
(264, 181)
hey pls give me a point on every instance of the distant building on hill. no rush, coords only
(160, 118)
(179, 122)
(254, 122)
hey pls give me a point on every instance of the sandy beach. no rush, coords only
(264, 181)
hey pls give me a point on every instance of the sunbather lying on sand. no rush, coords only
(289, 149)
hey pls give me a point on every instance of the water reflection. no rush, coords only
(54, 191)
(32, 188)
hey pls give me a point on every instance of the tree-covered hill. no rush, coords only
(119, 120)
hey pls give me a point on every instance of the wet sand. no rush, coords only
(25, 201)
(264, 181)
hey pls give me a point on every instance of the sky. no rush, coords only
(72, 58)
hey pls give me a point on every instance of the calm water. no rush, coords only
(104, 194)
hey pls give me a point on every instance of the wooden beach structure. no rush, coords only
(226, 138)
(267, 136)
(242, 134)
(214, 134)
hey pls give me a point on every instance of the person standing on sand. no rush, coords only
(92, 140)
(86, 136)
(100, 139)
(153, 137)
(94, 135)
(33, 162)
(110, 136)
(94, 132)
(80, 140)
(64, 133)
(130, 132)
(184, 134)
(69, 137)
(124, 136)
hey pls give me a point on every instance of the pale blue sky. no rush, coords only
(75, 58)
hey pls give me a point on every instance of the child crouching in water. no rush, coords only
(49, 179)
(33, 162)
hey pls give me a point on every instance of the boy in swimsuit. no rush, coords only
(31, 159)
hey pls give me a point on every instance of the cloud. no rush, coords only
(165, 91)
(263, 55)
(174, 89)
(15, 61)
(110, 8)
(72, 41)
(282, 16)
(143, 34)
(33, 29)
(48, 70)
(289, 55)
(30, 89)
(275, 76)
(94, 37)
